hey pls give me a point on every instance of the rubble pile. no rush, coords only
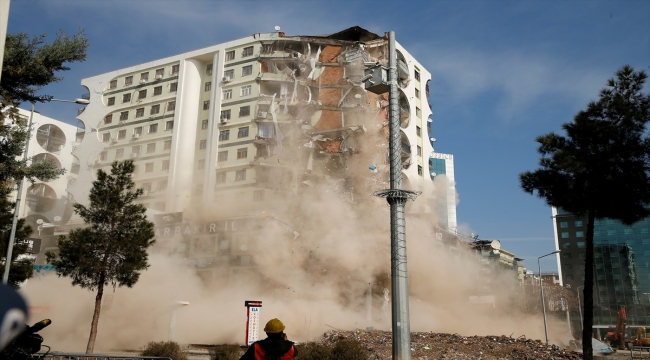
(428, 345)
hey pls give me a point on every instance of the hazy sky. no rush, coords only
(503, 73)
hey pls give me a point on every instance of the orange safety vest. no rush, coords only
(260, 354)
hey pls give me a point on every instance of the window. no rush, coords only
(581, 244)
(578, 223)
(165, 165)
(248, 51)
(106, 137)
(208, 86)
(221, 177)
(229, 74)
(135, 150)
(137, 131)
(157, 90)
(128, 80)
(258, 195)
(417, 93)
(568, 267)
(201, 164)
(417, 75)
(564, 235)
(148, 167)
(162, 185)
(240, 175)
(204, 124)
(242, 153)
(582, 255)
(419, 149)
(146, 187)
(173, 87)
(103, 156)
(230, 55)
(151, 148)
(418, 112)
(564, 224)
(224, 244)
(225, 115)
(155, 109)
(208, 69)
(144, 76)
(420, 172)
(566, 245)
(171, 106)
(566, 255)
(569, 277)
(119, 153)
(112, 84)
(160, 73)
(224, 135)
(175, 69)
(245, 90)
(121, 134)
(580, 234)
(126, 98)
(153, 128)
(142, 94)
(203, 144)
(108, 119)
(227, 94)
(244, 111)
(206, 105)
(247, 70)
(167, 145)
(169, 125)
(243, 132)
(111, 101)
(124, 115)
(418, 131)
(222, 156)
(139, 112)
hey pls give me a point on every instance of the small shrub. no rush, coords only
(164, 348)
(349, 350)
(226, 352)
(313, 351)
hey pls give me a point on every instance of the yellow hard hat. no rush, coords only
(274, 326)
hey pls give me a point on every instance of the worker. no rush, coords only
(274, 347)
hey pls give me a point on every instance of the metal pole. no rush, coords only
(12, 236)
(579, 306)
(400, 303)
(4, 22)
(541, 286)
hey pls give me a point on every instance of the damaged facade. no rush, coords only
(238, 126)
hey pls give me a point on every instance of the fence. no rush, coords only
(73, 356)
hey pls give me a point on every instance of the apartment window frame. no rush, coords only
(162, 185)
(106, 137)
(229, 74)
(164, 165)
(242, 132)
(248, 51)
(175, 69)
(121, 134)
(419, 150)
(230, 55)
(416, 74)
(226, 94)
(148, 167)
(119, 153)
(171, 106)
(155, 109)
(173, 87)
(110, 101)
(420, 170)
(157, 90)
(136, 149)
(225, 114)
(206, 105)
(124, 115)
(142, 94)
(112, 84)
(201, 164)
(247, 70)
(242, 153)
(103, 156)
(417, 93)
(208, 86)
(151, 148)
(167, 145)
(169, 125)
(160, 73)
(418, 131)
(244, 111)
(222, 156)
(221, 177)
(144, 76)
(240, 175)
(204, 124)
(126, 98)
(224, 135)
(108, 119)
(203, 144)
(246, 90)
(139, 112)
(137, 130)
(128, 80)
(153, 128)
(208, 69)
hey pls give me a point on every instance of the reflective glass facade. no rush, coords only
(621, 261)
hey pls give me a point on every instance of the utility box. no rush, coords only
(378, 81)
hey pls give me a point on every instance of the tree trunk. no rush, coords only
(588, 295)
(93, 324)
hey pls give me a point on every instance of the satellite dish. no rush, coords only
(432, 139)
(57, 218)
(277, 28)
(39, 221)
(496, 244)
(433, 174)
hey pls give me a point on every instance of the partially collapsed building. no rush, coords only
(227, 134)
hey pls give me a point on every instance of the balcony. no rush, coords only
(402, 70)
(406, 149)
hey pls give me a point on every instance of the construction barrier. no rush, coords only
(640, 350)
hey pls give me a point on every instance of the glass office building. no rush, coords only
(621, 261)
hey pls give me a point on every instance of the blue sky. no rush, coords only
(503, 73)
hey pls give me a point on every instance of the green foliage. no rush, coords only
(226, 352)
(341, 350)
(113, 249)
(31, 63)
(22, 269)
(164, 348)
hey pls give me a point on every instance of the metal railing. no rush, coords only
(406, 148)
(76, 356)
(640, 350)
(403, 70)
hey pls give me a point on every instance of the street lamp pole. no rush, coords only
(541, 286)
(579, 306)
(14, 224)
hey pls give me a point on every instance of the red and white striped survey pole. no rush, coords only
(252, 321)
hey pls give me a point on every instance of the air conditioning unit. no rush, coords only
(136, 136)
(226, 80)
(159, 76)
(223, 120)
(135, 155)
(262, 114)
(143, 81)
(113, 140)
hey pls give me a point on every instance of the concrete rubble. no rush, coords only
(429, 345)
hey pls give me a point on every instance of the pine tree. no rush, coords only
(601, 169)
(112, 250)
